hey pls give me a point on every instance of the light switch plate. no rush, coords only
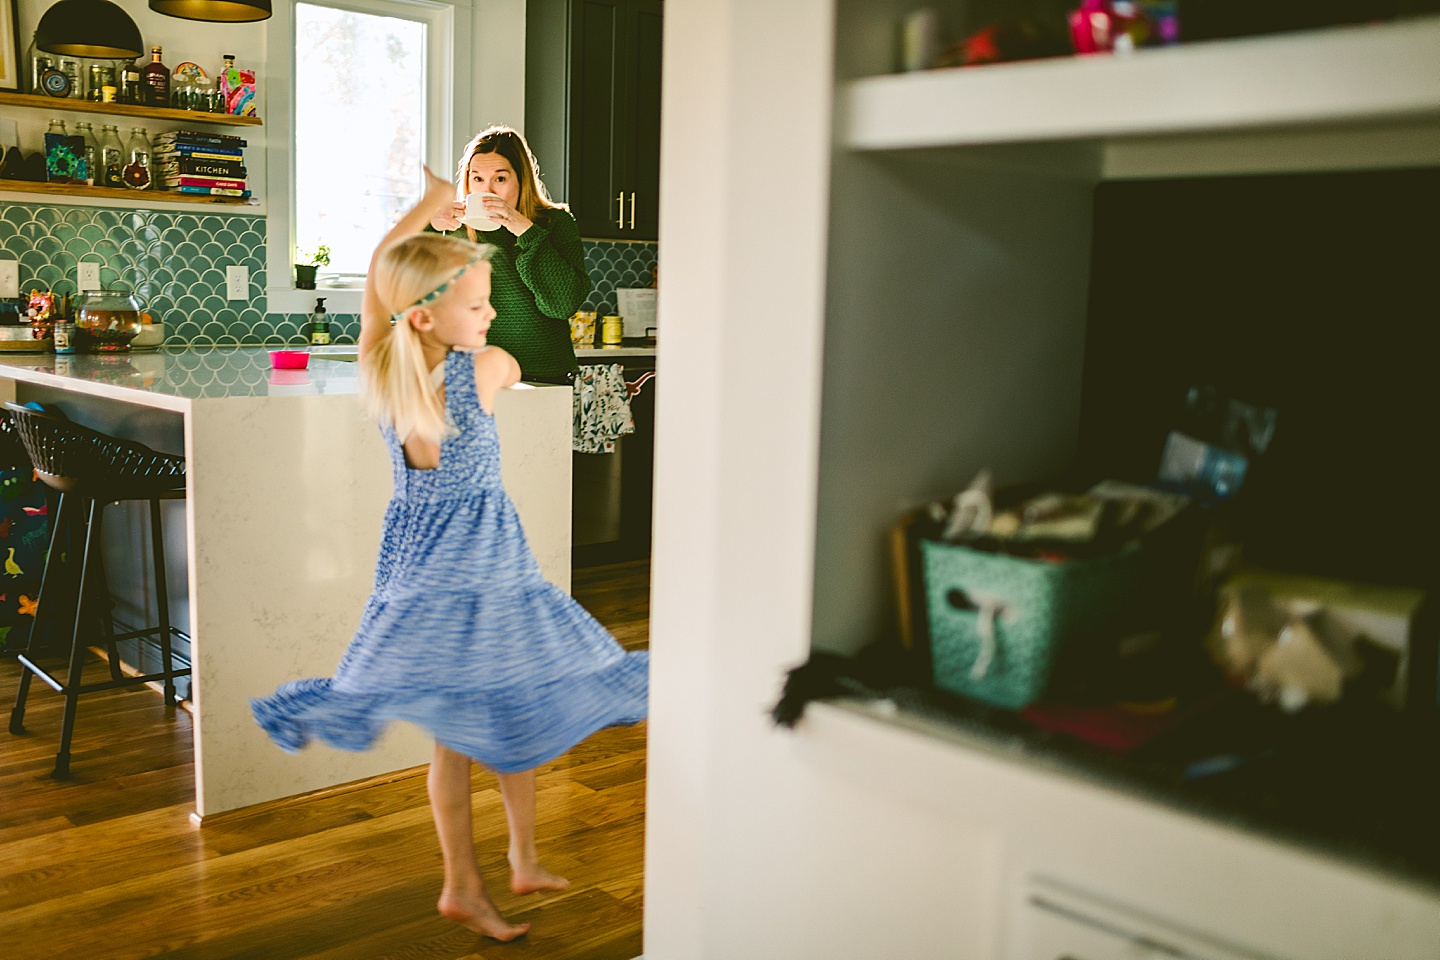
(237, 283)
(87, 275)
(9, 278)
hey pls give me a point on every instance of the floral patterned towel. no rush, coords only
(602, 409)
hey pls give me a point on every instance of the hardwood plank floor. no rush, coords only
(108, 866)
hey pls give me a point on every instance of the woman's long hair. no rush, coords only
(394, 379)
(535, 203)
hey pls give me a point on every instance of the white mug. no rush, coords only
(475, 212)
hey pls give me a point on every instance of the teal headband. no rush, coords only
(439, 291)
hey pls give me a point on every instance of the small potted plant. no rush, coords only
(307, 262)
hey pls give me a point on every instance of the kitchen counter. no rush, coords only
(173, 377)
(286, 490)
(630, 348)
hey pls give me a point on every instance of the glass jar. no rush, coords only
(137, 160)
(112, 158)
(92, 151)
(107, 320)
(101, 75)
(72, 69)
(57, 126)
(215, 98)
(40, 61)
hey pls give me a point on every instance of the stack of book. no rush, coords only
(205, 163)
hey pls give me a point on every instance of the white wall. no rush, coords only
(744, 174)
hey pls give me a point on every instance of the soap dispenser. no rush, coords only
(319, 324)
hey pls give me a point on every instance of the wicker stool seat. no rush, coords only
(91, 470)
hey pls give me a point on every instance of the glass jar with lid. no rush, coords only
(101, 75)
(107, 320)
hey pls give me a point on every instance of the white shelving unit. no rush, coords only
(1344, 98)
(924, 310)
(957, 296)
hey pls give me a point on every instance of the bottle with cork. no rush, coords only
(155, 80)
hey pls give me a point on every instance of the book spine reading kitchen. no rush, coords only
(210, 164)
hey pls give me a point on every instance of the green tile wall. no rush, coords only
(176, 261)
(614, 266)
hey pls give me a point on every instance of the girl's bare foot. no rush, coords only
(479, 914)
(527, 876)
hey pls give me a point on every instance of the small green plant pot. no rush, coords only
(305, 276)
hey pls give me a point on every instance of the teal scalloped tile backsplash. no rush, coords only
(176, 261)
(613, 266)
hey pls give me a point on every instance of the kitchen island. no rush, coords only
(286, 489)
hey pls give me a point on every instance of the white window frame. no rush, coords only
(448, 102)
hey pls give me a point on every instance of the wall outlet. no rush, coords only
(237, 283)
(9, 278)
(87, 275)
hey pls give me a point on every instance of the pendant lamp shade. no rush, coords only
(214, 11)
(89, 28)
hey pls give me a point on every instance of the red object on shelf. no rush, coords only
(1116, 727)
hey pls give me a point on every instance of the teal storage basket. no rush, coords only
(997, 623)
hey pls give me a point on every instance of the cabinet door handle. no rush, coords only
(620, 220)
(632, 211)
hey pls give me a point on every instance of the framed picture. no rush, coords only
(10, 68)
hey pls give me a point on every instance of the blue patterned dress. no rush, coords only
(462, 635)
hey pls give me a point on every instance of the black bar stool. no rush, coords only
(91, 470)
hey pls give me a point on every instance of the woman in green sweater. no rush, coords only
(538, 276)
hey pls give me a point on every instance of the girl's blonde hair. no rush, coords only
(394, 378)
(534, 203)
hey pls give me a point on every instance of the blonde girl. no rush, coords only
(462, 635)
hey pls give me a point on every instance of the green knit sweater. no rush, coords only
(537, 280)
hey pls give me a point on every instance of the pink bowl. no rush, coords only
(289, 359)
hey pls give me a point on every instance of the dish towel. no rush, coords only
(602, 408)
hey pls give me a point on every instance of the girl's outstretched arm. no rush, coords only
(374, 320)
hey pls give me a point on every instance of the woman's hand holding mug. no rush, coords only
(489, 211)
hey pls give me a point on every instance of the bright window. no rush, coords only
(361, 116)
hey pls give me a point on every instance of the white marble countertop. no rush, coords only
(174, 377)
(281, 524)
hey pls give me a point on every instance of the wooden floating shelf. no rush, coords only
(125, 110)
(137, 197)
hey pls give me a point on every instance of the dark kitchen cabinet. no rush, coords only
(592, 110)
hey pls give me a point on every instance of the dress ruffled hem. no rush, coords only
(507, 733)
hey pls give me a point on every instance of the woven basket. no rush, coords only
(998, 623)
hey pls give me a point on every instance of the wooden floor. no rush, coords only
(109, 866)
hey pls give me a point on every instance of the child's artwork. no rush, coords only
(24, 529)
(238, 86)
(65, 158)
